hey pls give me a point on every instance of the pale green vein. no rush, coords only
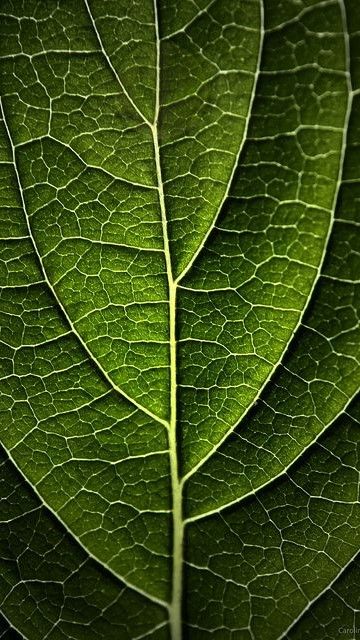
(238, 155)
(61, 306)
(314, 600)
(190, 22)
(73, 536)
(318, 270)
(283, 473)
(175, 610)
(111, 66)
(86, 165)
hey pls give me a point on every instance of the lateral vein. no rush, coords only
(318, 274)
(238, 155)
(103, 51)
(57, 299)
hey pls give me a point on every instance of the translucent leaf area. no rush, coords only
(179, 319)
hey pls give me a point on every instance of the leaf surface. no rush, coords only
(179, 319)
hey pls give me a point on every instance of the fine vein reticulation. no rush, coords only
(179, 303)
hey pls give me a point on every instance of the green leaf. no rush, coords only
(180, 351)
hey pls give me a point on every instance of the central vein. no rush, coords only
(175, 610)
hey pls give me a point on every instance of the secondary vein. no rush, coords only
(59, 303)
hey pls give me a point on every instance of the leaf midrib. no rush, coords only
(172, 283)
(175, 609)
(178, 523)
(130, 585)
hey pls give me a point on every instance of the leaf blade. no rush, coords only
(120, 143)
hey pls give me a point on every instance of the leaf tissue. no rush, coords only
(180, 301)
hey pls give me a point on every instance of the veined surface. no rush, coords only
(180, 266)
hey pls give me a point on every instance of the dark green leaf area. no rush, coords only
(97, 460)
(335, 613)
(241, 301)
(51, 587)
(316, 380)
(257, 568)
(7, 632)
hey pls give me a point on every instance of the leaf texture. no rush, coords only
(179, 267)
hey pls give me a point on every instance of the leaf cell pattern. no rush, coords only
(180, 352)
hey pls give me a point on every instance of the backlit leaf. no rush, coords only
(180, 353)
